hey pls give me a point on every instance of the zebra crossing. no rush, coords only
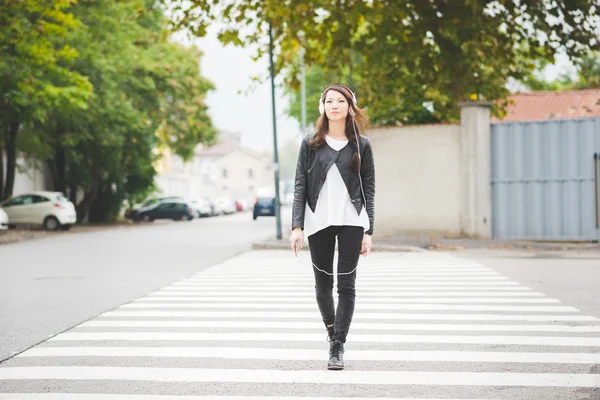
(427, 325)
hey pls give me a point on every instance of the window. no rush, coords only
(250, 173)
(224, 173)
(39, 199)
(166, 206)
(17, 201)
(20, 201)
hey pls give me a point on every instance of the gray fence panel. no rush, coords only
(543, 179)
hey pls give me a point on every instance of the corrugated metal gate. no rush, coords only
(545, 180)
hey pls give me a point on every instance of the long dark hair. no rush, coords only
(360, 120)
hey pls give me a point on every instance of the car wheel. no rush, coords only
(65, 227)
(148, 218)
(51, 223)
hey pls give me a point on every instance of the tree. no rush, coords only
(35, 74)
(588, 76)
(148, 93)
(406, 53)
(317, 79)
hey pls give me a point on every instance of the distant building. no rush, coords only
(224, 170)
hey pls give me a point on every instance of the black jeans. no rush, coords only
(322, 249)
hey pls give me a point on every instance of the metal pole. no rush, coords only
(275, 151)
(302, 92)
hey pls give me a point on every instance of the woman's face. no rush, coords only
(336, 106)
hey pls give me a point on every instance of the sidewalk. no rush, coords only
(417, 244)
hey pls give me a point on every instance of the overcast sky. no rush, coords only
(231, 68)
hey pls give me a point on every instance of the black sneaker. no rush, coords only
(336, 355)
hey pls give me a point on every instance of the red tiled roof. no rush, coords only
(566, 104)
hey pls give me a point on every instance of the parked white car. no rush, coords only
(226, 205)
(50, 209)
(202, 207)
(3, 220)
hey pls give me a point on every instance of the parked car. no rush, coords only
(264, 206)
(227, 206)
(177, 210)
(150, 202)
(50, 209)
(3, 220)
(241, 205)
(155, 200)
(202, 206)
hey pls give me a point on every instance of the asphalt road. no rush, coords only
(49, 285)
(571, 276)
(173, 309)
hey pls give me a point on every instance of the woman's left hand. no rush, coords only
(366, 245)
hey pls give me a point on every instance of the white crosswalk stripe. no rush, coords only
(427, 326)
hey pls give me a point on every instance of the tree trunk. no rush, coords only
(57, 167)
(11, 158)
(73, 193)
(83, 207)
(1, 168)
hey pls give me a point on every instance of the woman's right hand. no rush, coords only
(297, 235)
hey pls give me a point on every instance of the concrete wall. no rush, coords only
(28, 177)
(417, 172)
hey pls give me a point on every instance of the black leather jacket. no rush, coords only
(311, 171)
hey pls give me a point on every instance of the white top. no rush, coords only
(334, 206)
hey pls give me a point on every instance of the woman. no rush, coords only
(334, 198)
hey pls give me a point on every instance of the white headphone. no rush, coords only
(322, 100)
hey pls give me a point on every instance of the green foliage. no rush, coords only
(316, 80)
(147, 94)
(405, 53)
(588, 76)
(35, 73)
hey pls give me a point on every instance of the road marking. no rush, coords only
(359, 285)
(361, 289)
(307, 277)
(357, 316)
(319, 377)
(251, 353)
(318, 337)
(355, 326)
(362, 294)
(370, 272)
(362, 306)
(429, 300)
(423, 279)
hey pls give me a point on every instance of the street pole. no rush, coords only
(275, 151)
